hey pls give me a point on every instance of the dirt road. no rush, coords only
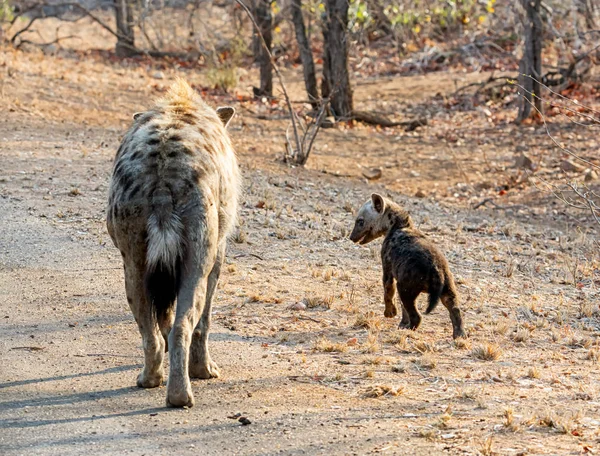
(335, 378)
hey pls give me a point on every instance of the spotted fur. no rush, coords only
(410, 259)
(172, 204)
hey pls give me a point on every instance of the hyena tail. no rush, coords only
(164, 255)
(436, 288)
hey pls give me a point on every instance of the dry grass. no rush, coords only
(462, 344)
(224, 77)
(371, 345)
(550, 420)
(263, 298)
(486, 447)
(240, 236)
(369, 320)
(376, 360)
(501, 327)
(592, 355)
(425, 347)
(397, 338)
(426, 361)
(444, 421)
(399, 368)
(509, 420)
(486, 352)
(323, 344)
(521, 335)
(533, 372)
(313, 302)
(376, 391)
(586, 309)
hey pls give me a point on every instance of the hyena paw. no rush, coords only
(204, 370)
(180, 397)
(390, 311)
(404, 324)
(459, 333)
(146, 380)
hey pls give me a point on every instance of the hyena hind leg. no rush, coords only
(152, 340)
(191, 300)
(408, 299)
(450, 301)
(405, 322)
(165, 323)
(201, 364)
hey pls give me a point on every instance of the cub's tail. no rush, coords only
(435, 292)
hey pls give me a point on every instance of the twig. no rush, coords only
(304, 317)
(498, 206)
(556, 143)
(75, 6)
(57, 40)
(249, 254)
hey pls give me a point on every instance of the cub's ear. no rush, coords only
(136, 115)
(378, 203)
(225, 113)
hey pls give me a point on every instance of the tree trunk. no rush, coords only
(125, 40)
(531, 62)
(264, 19)
(326, 79)
(310, 78)
(335, 61)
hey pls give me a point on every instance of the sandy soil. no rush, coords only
(336, 378)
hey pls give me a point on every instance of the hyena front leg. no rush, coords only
(388, 293)
(153, 342)
(201, 364)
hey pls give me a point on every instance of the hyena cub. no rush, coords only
(172, 203)
(410, 258)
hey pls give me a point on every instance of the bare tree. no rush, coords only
(264, 19)
(125, 37)
(310, 78)
(336, 79)
(530, 67)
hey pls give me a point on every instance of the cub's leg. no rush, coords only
(450, 299)
(408, 298)
(405, 322)
(388, 292)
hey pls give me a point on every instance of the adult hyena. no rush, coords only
(172, 203)
(410, 259)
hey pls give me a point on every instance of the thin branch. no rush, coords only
(57, 40)
(276, 69)
(556, 143)
(559, 95)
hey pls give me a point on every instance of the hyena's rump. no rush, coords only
(172, 203)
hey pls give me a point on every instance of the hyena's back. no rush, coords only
(172, 203)
(173, 165)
